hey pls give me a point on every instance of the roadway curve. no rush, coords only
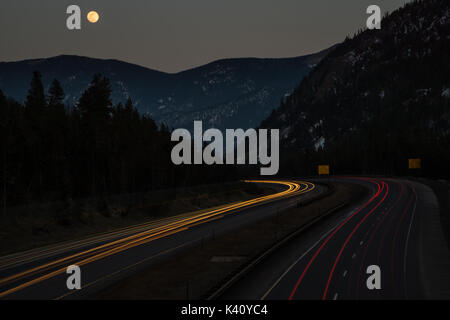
(41, 273)
(330, 261)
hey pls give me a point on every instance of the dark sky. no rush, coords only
(174, 35)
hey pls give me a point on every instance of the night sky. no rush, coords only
(174, 35)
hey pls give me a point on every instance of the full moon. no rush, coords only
(93, 17)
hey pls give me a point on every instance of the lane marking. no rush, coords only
(386, 230)
(62, 270)
(407, 240)
(394, 241)
(350, 236)
(366, 249)
(126, 268)
(334, 232)
(15, 259)
(297, 261)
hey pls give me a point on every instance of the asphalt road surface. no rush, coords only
(331, 260)
(41, 273)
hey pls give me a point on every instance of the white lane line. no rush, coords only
(297, 261)
(345, 273)
(351, 212)
(335, 296)
(354, 256)
(126, 268)
(361, 243)
(407, 241)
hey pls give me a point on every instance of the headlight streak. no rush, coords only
(184, 222)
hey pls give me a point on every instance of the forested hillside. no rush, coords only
(230, 93)
(378, 99)
(51, 152)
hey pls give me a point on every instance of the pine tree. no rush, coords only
(55, 96)
(4, 146)
(35, 101)
(95, 104)
(95, 110)
(35, 105)
(50, 152)
(56, 128)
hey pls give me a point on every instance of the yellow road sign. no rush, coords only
(324, 170)
(415, 163)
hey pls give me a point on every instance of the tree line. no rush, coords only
(50, 151)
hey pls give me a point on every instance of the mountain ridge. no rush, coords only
(238, 92)
(383, 93)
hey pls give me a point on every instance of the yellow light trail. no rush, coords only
(175, 225)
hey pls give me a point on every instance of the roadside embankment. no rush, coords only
(36, 225)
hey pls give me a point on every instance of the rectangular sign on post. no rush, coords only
(415, 163)
(324, 170)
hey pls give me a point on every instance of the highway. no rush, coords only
(109, 257)
(330, 261)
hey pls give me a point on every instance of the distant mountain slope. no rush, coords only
(377, 98)
(226, 93)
